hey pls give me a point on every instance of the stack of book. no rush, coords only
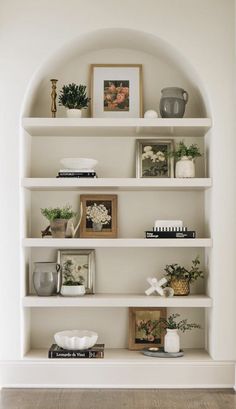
(76, 173)
(170, 229)
(97, 351)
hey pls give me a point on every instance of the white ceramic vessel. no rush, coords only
(79, 163)
(72, 290)
(76, 339)
(172, 341)
(73, 113)
(185, 168)
(151, 114)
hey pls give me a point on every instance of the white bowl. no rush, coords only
(79, 163)
(72, 290)
(76, 339)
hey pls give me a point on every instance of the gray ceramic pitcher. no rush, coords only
(46, 278)
(173, 102)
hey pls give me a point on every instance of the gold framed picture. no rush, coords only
(99, 218)
(116, 91)
(144, 331)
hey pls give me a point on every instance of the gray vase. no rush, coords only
(46, 279)
(173, 102)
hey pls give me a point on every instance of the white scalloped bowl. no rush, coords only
(79, 163)
(76, 339)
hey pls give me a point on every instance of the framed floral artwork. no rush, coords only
(144, 331)
(153, 159)
(78, 265)
(116, 91)
(99, 216)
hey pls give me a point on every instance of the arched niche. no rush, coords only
(163, 66)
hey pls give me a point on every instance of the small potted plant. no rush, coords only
(74, 98)
(73, 282)
(98, 214)
(171, 327)
(185, 156)
(58, 218)
(180, 278)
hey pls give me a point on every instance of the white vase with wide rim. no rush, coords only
(185, 168)
(74, 113)
(171, 341)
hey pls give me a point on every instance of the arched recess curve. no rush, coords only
(163, 66)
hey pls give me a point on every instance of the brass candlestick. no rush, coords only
(53, 97)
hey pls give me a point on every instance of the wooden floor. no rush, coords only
(116, 399)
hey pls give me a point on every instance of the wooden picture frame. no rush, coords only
(153, 158)
(116, 90)
(139, 315)
(106, 204)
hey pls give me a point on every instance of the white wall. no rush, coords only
(203, 32)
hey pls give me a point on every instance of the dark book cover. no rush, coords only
(97, 351)
(189, 234)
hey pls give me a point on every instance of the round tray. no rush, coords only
(160, 353)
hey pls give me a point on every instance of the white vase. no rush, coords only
(185, 168)
(74, 113)
(171, 341)
(72, 290)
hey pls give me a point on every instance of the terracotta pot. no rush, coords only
(180, 286)
(58, 228)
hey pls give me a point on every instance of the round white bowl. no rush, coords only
(76, 339)
(79, 163)
(72, 290)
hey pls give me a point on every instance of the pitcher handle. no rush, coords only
(185, 96)
(59, 282)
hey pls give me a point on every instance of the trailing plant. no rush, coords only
(175, 271)
(182, 150)
(51, 214)
(74, 96)
(68, 277)
(171, 323)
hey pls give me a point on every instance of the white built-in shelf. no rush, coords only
(115, 243)
(117, 184)
(116, 127)
(118, 300)
(124, 356)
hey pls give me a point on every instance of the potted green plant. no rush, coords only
(74, 98)
(180, 278)
(185, 160)
(171, 327)
(58, 218)
(72, 282)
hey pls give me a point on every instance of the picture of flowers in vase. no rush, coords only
(153, 159)
(99, 216)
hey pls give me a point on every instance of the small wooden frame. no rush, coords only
(138, 338)
(109, 230)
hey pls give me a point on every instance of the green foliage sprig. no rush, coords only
(171, 323)
(179, 272)
(51, 214)
(182, 150)
(74, 96)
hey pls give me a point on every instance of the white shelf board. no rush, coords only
(116, 184)
(116, 127)
(118, 300)
(115, 243)
(124, 356)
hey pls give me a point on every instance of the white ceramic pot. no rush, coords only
(72, 290)
(74, 113)
(185, 168)
(171, 341)
(151, 114)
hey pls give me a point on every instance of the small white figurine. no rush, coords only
(151, 114)
(155, 285)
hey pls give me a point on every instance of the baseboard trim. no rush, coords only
(20, 374)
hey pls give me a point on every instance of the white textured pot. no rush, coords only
(72, 290)
(171, 341)
(76, 339)
(185, 168)
(74, 113)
